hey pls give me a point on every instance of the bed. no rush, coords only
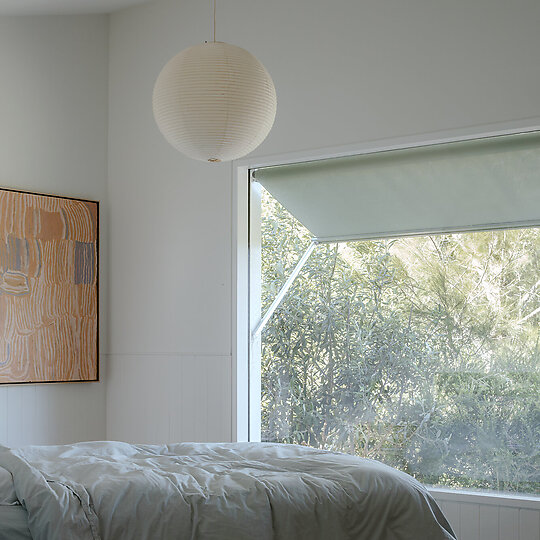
(13, 517)
(237, 491)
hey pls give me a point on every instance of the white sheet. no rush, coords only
(14, 523)
(7, 490)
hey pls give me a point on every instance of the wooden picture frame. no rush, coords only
(49, 290)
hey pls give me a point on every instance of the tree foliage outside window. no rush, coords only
(421, 352)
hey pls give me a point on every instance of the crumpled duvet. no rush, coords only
(237, 491)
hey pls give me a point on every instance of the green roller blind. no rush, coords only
(450, 186)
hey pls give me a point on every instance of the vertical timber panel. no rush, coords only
(508, 523)
(489, 522)
(3, 415)
(529, 524)
(470, 522)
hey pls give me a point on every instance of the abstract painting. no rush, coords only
(48, 288)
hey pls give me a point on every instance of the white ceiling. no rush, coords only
(57, 7)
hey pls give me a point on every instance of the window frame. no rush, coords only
(246, 239)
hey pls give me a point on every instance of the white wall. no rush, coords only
(345, 72)
(169, 375)
(53, 139)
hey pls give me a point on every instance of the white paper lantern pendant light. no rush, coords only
(214, 102)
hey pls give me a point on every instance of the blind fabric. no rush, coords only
(449, 186)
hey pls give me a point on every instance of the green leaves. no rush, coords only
(422, 352)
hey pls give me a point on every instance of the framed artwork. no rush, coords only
(48, 288)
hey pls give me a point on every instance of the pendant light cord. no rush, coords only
(214, 21)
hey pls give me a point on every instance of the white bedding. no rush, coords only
(7, 490)
(13, 517)
(112, 490)
(13, 523)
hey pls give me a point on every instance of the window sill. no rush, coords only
(495, 499)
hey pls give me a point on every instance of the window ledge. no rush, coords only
(495, 499)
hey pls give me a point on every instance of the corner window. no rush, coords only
(421, 352)
(418, 350)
